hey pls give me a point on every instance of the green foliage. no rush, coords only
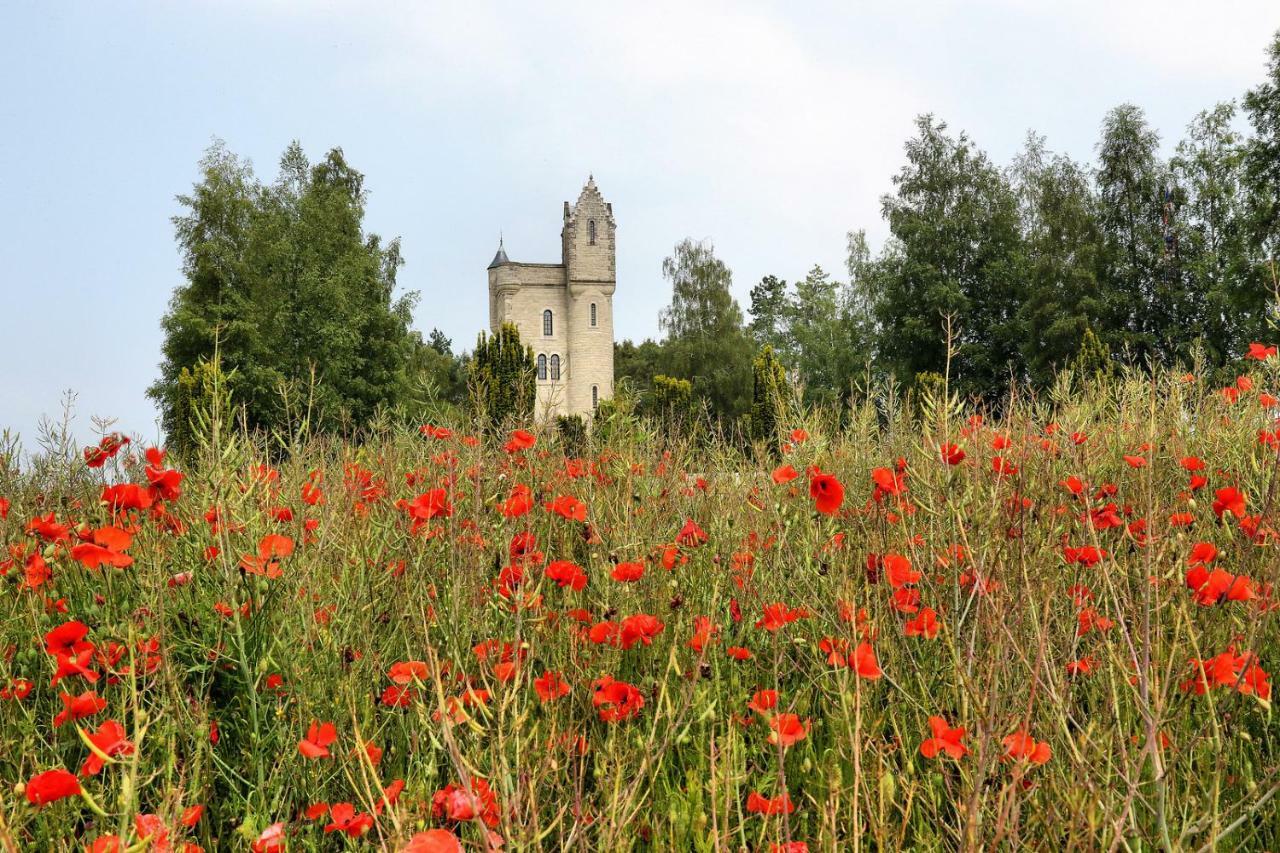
(1262, 158)
(770, 304)
(956, 255)
(572, 432)
(1232, 291)
(1063, 244)
(637, 364)
(203, 399)
(671, 400)
(706, 343)
(1150, 308)
(297, 300)
(1092, 360)
(769, 398)
(503, 377)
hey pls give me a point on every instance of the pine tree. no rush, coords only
(671, 400)
(769, 397)
(503, 378)
(769, 309)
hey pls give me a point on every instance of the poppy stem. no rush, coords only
(92, 804)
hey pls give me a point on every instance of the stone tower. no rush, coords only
(565, 310)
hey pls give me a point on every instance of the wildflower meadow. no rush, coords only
(913, 623)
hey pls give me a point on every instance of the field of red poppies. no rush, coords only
(932, 627)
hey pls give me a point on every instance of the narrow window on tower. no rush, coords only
(593, 313)
(555, 368)
(542, 366)
(546, 323)
(595, 396)
(591, 231)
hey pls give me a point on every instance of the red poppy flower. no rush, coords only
(428, 505)
(615, 700)
(787, 730)
(110, 740)
(784, 474)
(48, 529)
(18, 689)
(343, 818)
(886, 482)
(568, 507)
(639, 628)
(952, 454)
(86, 704)
(1021, 746)
(518, 503)
(1003, 467)
(1213, 586)
(777, 615)
(107, 546)
(1229, 670)
(759, 804)
(126, 496)
(763, 701)
(704, 631)
(433, 841)
(944, 739)
(520, 440)
(827, 492)
(627, 572)
(108, 447)
(864, 662)
(1229, 499)
(898, 571)
(271, 840)
(439, 433)
(316, 743)
(1260, 352)
(270, 547)
(406, 671)
(691, 535)
(925, 624)
(51, 786)
(550, 686)
(567, 574)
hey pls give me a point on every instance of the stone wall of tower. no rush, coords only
(520, 293)
(590, 258)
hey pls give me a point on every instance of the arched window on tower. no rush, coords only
(593, 313)
(542, 366)
(591, 231)
(595, 396)
(546, 323)
(555, 368)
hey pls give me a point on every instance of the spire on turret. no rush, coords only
(500, 258)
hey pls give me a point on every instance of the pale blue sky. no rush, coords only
(771, 129)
